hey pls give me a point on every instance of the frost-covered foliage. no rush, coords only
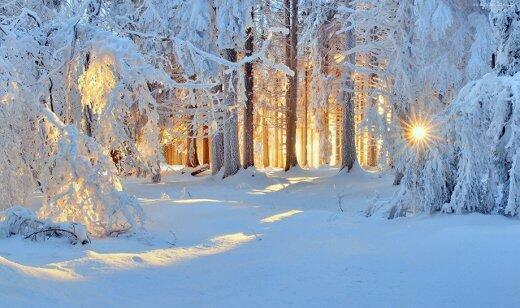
(475, 166)
(233, 17)
(89, 87)
(48, 84)
(83, 187)
(505, 19)
(119, 110)
(485, 117)
(421, 53)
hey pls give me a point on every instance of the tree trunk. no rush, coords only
(348, 136)
(324, 134)
(217, 140)
(205, 147)
(192, 159)
(292, 91)
(265, 140)
(156, 173)
(305, 117)
(277, 125)
(217, 152)
(337, 136)
(231, 149)
(248, 146)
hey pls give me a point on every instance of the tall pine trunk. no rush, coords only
(292, 91)
(247, 147)
(305, 120)
(265, 140)
(348, 136)
(231, 149)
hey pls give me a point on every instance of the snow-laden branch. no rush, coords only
(260, 55)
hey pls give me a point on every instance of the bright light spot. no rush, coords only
(280, 216)
(419, 132)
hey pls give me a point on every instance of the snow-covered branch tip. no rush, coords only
(21, 221)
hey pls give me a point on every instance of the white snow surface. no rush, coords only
(274, 239)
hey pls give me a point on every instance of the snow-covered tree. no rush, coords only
(233, 18)
(473, 166)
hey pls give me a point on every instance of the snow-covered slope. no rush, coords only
(275, 239)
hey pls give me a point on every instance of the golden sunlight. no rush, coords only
(281, 216)
(96, 83)
(419, 132)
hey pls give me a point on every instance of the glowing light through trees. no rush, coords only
(419, 132)
(96, 83)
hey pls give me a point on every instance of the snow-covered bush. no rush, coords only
(18, 220)
(82, 187)
(475, 165)
(69, 164)
(422, 53)
(484, 129)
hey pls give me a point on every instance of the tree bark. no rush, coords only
(276, 136)
(205, 147)
(217, 152)
(304, 118)
(217, 140)
(231, 149)
(265, 140)
(292, 91)
(348, 136)
(248, 145)
(192, 159)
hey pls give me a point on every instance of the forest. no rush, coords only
(259, 153)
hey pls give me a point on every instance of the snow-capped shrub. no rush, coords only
(484, 125)
(83, 187)
(475, 166)
(18, 220)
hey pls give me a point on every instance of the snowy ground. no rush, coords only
(273, 240)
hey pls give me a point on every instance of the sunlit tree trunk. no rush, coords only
(311, 145)
(305, 125)
(324, 134)
(292, 91)
(231, 149)
(192, 159)
(265, 140)
(205, 147)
